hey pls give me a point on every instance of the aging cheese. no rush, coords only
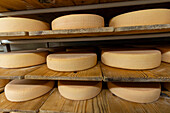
(52, 49)
(71, 61)
(136, 92)
(166, 85)
(12, 24)
(132, 59)
(20, 59)
(79, 90)
(142, 17)
(3, 82)
(24, 90)
(78, 21)
(165, 53)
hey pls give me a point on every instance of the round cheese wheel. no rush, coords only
(79, 90)
(71, 61)
(13, 24)
(165, 53)
(52, 49)
(132, 59)
(20, 59)
(3, 82)
(78, 21)
(166, 85)
(136, 92)
(142, 17)
(23, 90)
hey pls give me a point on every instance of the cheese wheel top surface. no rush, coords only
(136, 92)
(13, 24)
(79, 90)
(142, 17)
(78, 21)
(23, 90)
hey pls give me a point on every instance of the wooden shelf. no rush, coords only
(43, 73)
(160, 74)
(31, 106)
(16, 73)
(1, 89)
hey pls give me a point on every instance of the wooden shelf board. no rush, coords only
(16, 73)
(31, 106)
(1, 89)
(160, 74)
(43, 73)
(105, 102)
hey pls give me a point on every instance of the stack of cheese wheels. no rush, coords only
(142, 17)
(3, 82)
(132, 58)
(136, 92)
(166, 85)
(71, 61)
(52, 49)
(165, 50)
(78, 21)
(20, 59)
(13, 24)
(23, 90)
(79, 90)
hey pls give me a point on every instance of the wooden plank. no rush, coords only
(118, 105)
(92, 74)
(1, 89)
(16, 73)
(57, 104)
(13, 34)
(160, 74)
(85, 2)
(108, 1)
(31, 106)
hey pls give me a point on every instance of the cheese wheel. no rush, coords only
(3, 82)
(166, 85)
(71, 61)
(52, 49)
(13, 24)
(136, 92)
(24, 90)
(79, 90)
(132, 59)
(20, 59)
(141, 17)
(78, 21)
(165, 50)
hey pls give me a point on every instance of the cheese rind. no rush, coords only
(165, 50)
(78, 21)
(136, 92)
(20, 59)
(3, 82)
(24, 90)
(141, 17)
(79, 90)
(132, 59)
(13, 24)
(71, 61)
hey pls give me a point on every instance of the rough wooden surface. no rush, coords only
(92, 74)
(105, 102)
(31, 106)
(16, 73)
(1, 89)
(160, 74)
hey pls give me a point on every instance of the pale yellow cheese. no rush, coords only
(132, 59)
(136, 92)
(165, 50)
(71, 61)
(18, 59)
(13, 24)
(142, 17)
(78, 21)
(24, 90)
(3, 82)
(79, 90)
(166, 85)
(52, 49)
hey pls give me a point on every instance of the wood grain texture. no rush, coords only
(1, 89)
(31, 106)
(13, 34)
(85, 2)
(160, 74)
(108, 1)
(58, 104)
(92, 74)
(16, 73)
